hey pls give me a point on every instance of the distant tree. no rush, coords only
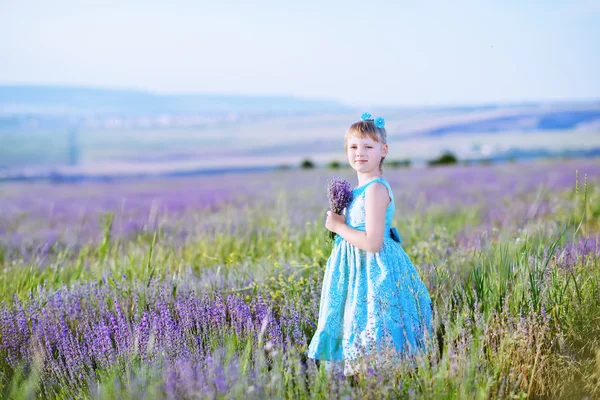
(334, 164)
(447, 158)
(283, 167)
(398, 163)
(307, 164)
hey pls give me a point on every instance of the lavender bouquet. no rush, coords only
(339, 193)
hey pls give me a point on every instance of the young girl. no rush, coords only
(372, 296)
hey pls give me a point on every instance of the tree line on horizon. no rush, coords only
(446, 158)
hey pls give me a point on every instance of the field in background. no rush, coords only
(168, 143)
(210, 285)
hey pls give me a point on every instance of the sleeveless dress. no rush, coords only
(369, 300)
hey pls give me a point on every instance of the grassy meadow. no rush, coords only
(208, 286)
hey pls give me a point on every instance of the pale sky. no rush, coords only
(414, 52)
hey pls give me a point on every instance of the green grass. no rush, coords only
(513, 321)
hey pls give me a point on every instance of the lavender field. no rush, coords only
(208, 287)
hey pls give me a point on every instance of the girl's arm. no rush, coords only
(376, 201)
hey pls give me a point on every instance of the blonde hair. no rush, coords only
(363, 129)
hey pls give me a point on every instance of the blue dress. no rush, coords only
(370, 300)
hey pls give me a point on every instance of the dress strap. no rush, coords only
(389, 188)
(380, 179)
(361, 189)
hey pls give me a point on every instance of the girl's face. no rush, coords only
(364, 155)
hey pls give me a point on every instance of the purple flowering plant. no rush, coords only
(339, 193)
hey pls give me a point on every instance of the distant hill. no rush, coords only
(61, 132)
(526, 121)
(53, 100)
(55, 107)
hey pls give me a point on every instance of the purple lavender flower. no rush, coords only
(339, 193)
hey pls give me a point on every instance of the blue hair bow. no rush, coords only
(379, 121)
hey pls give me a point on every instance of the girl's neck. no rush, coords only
(364, 179)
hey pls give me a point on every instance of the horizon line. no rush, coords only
(482, 104)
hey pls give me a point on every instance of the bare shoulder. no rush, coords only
(378, 192)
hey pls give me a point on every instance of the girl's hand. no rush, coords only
(334, 221)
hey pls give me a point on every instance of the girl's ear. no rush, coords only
(384, 150)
